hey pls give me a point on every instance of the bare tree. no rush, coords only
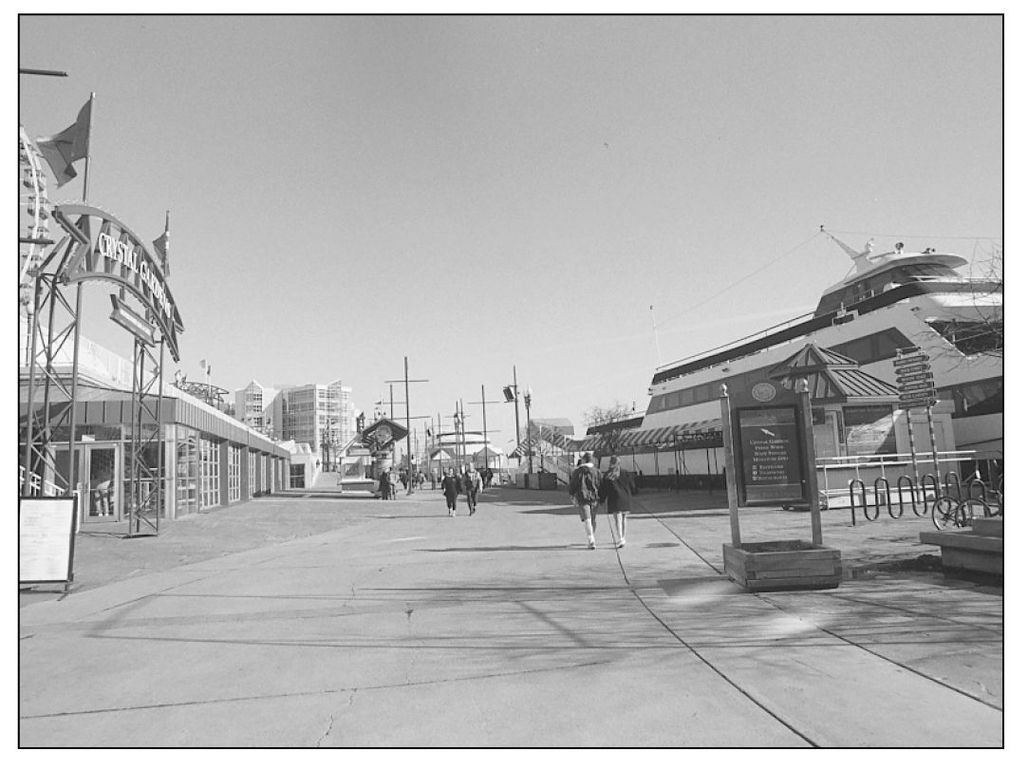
(610, 423)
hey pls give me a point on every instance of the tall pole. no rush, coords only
(406, 398)
(528, 426)
(72, 469)
(391, 417)
(935, 449)
(913, 453)
(810, 461)
(463, 432)
(485, 432)
(456, 434)
(517, 428)
(656, 339)
(730, 478)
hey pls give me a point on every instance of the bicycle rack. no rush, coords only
(914, 503)
(977, 484)
(935, 486)
(956, 481)
(863, 502)
(880, 484)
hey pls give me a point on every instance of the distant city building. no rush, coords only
(253, 406)
(316, 414)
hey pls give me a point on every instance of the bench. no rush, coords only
(979, 549)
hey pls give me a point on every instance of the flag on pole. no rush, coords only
(160, 246)
(63, 149)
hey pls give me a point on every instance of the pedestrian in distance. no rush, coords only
(584, 489)
(472, 486)
(616, 488)
(451, 488)
(384, 486)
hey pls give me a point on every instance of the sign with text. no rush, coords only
(771, 456)
(46, 539)
(102, 248)
(914, 378)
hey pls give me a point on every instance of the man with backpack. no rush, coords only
(584, 487)
(472, 483)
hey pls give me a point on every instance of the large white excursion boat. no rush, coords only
(892, 300)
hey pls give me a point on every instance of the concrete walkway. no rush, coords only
(351, 622)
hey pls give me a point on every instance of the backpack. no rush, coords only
(587, 486)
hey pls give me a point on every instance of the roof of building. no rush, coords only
(831, 376)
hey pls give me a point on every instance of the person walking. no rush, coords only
(451, 488)
(472, 486)
(384, 487)
(583, 486)
(616, 488)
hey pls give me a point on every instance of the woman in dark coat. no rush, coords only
(451, 488)
(616, 488)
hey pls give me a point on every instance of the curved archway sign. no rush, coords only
(104, 249)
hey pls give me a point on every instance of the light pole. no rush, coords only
(528, 428)
(510, 394)
(458, 460)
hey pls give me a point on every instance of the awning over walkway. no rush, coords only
(656, 438)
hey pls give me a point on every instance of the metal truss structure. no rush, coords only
(52, 318)
(145, 478)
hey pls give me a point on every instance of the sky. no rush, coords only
(580, 197)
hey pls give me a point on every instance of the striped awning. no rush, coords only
(668, 435)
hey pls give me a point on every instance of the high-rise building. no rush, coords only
(316, 414)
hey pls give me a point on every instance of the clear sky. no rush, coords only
(479, 193)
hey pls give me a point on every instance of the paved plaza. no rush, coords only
(326, 621)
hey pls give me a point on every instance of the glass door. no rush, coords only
(100, 476)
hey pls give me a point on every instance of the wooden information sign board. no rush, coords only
(46, 539)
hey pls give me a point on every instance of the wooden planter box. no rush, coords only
(782, 565)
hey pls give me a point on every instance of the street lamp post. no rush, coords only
(528, 429)
(510, 394)
(458, 460)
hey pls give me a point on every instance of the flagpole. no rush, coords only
(89, 134)
(73, 481)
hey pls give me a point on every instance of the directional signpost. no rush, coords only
(916, 389)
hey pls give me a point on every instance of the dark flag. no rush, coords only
(63, 149)
(160, 246)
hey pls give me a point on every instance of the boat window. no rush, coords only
(971, 399)
(971, 337)
(928, 272)
(874, 347)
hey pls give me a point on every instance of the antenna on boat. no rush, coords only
(656, 339)
(861, 259)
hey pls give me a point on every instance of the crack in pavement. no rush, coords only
(308, 693)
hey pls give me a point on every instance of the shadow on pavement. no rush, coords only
(505, 548)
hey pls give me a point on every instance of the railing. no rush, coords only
(550, 464)
(959, 501)
(36, 482)
(880, 463)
